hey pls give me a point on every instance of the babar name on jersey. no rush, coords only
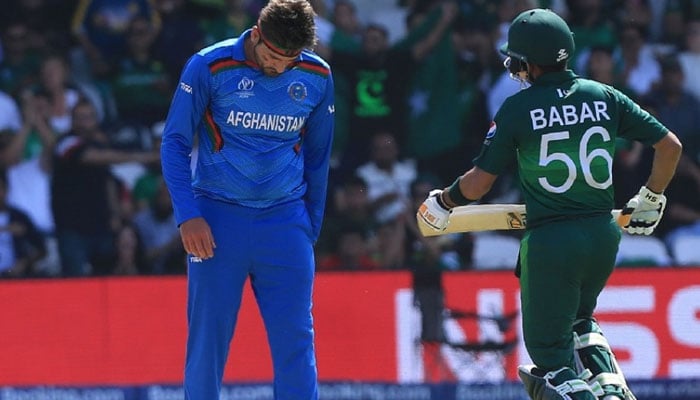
(263, 121)
(569, 114)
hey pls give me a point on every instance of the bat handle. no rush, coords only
(623, 220)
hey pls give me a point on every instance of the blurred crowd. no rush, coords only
(85, 86)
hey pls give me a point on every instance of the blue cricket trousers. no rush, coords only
(273, 247)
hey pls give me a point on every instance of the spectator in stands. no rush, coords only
(180, 32)
(674, 106)
(99, 27)
(689, 58)
(10, 118)
(352, 207)
(636, 12)
(160, 236)
(678, 109)
(29, 175)
(600, 66)
(432, 88)
(85, 195)
(345, 38)
(324, 27)
(48, 21)
(62, 96)
(388, 177)
(350, 251)
(51, 102)
(141, 84)
(21, 244)
(592, 25)
(35, 133)
(389, 243)
(130, 258)
(636, 59)
(675, 16)
(478, 65)
(29, 191)
(349, 204)
(347, 35)
(379, 78)
(179, 36)
(234, 19)
(19, 67)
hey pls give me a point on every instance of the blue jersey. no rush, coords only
(262, 140)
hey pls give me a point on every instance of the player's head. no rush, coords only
(84, 118)
(375, 39)
(537, 37)
(284, 29)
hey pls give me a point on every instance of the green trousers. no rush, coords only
(564, 267)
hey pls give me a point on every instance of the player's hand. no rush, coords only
(434, 212)
(645, 210)
(197, 238)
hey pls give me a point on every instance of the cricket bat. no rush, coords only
(491, 217)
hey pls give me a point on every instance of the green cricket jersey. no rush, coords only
(562, 130)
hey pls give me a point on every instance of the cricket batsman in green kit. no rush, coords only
(562, 130)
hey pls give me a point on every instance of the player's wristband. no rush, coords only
(441, 201)
(456, 194)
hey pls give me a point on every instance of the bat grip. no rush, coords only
(623, 220)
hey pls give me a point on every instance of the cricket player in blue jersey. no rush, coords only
(261, 107)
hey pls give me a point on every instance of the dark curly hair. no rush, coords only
(289, 24)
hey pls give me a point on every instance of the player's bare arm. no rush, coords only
(667, 153)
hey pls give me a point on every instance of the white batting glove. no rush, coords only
(433, 211)
(645, 209)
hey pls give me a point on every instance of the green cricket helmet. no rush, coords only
(540, 37)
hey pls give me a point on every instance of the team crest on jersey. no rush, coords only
(245, 87)
(492, 131)
(297, 91)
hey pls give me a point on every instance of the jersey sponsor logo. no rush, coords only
(245, 88)
(195, 259)
(185, 88)
(569, 114)
(268, 122)
(297, 91)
